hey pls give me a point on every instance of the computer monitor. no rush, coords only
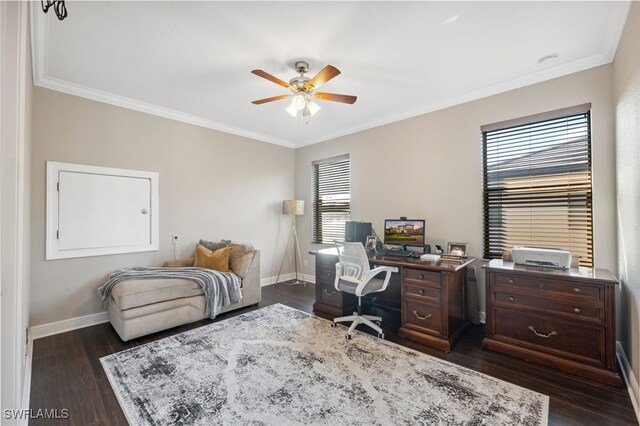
(404, 232)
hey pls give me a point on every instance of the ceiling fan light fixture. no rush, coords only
(292, 110)
(313, 107)
(299, 102)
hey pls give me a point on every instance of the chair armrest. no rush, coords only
(372, 273)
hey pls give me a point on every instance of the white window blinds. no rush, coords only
(537, 184)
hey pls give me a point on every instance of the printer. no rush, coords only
(536, 256)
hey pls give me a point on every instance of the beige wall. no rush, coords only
(626, 73)
(212, 185)
(440, 175)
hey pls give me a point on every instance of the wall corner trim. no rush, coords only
(629, 378)
(49, 329)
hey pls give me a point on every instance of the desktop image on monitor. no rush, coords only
(404, 232)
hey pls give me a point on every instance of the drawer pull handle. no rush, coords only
(510, 281)
(329, 293)
(553, 333)
(420, 317)
(541, 285)
(421, 276)
(421, 291)
(576, 310)
(511, 298)
(576, 290)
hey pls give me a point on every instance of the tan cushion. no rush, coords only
(218, 260)
(133, 293)
(240, 264)
(180, 263)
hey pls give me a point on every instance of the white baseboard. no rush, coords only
(286, 277)
(44, 330)
(272, 280)
(629, 378)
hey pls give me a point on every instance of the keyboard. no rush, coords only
(398, 253)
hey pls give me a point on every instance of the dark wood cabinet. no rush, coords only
(559, 318)
(428, 297)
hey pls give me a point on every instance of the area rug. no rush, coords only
(281, 366)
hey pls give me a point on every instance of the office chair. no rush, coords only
(354, 276)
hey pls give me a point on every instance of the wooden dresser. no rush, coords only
(564, 319)
(429, 297)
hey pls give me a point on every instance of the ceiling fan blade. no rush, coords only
(269, 77)
(275, 98)
(325, 74)
(345, 99)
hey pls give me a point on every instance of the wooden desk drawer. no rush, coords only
(421, 292)
(422, 316)
(433, 278)
(325, 277)
(564, 338)
(579, 310)
(328, 295)
(326, 263)
(549, 285)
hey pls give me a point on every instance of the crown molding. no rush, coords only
(615, 26)
(505, 86)
(39, 28)
(121, 101)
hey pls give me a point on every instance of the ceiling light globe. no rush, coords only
(292, 110)
(313, 107)
(298, 102)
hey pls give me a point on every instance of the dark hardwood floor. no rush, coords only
(67, 372)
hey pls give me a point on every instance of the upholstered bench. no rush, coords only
(140, 307)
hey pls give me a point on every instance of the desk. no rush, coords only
(429, 297)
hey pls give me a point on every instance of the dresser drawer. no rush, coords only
(421, 291)
(424, 317)
(580, 309)
(568, 339)
(327, 294)
(550, 285)
(430, 277)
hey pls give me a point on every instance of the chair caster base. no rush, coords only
(378, 323)
(347, 336)
(381, 335)
(333, 325)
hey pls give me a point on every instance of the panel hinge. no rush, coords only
(58, 186)
(58, 234)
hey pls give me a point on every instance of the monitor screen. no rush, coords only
(407, 232)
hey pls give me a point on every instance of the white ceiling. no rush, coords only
(192, 61)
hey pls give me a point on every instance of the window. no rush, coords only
(331, 180)
(537, 183)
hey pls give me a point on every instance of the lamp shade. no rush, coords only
(293, 207)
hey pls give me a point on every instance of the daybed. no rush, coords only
(140, 307)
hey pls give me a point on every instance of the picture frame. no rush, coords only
(371, 243)
(458, 249)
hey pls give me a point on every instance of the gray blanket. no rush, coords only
(219, 288)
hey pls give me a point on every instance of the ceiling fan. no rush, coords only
(304, 90)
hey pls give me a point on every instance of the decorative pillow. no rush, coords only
(214, 246)
(240, 264)
(180, 263)
(218, 260)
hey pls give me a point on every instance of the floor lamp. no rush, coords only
(293, 208)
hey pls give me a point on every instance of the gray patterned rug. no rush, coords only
(281, 366)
